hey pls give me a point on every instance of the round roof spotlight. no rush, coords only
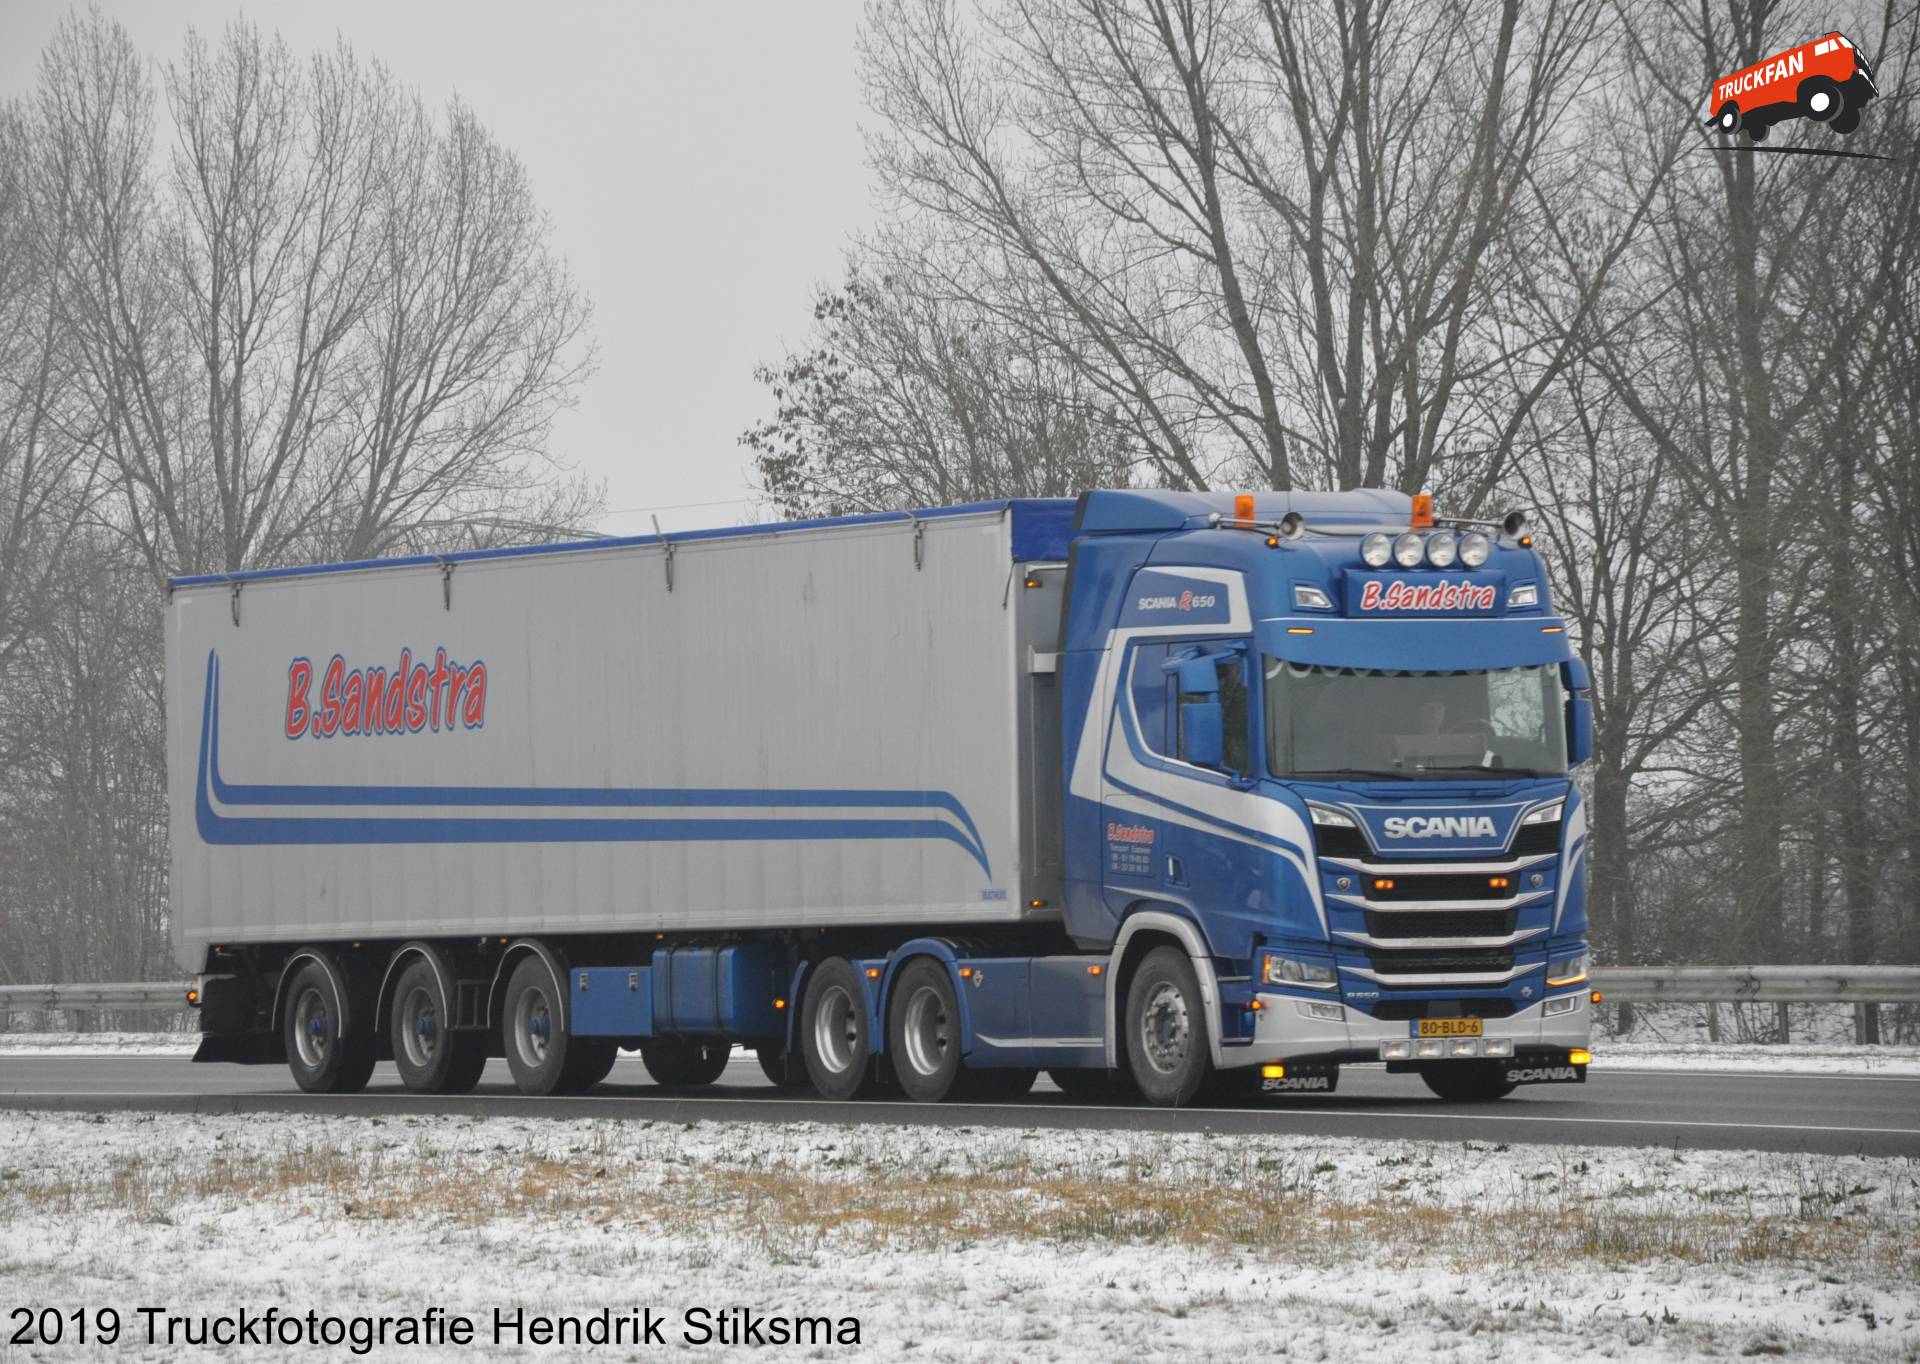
(1409, 549)
(1515, 524)
(1443, 547)
(1474, 548)
(1292, 526)
(1376, 549)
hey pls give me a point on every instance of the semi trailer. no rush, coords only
(1161, 793)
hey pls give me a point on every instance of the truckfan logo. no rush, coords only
(1825, 81)
(1439, 826)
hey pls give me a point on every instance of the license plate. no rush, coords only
(1449, 1027)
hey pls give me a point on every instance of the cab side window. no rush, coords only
(1152, 697)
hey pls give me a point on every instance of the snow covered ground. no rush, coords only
(100, 1043)
(966, 1244)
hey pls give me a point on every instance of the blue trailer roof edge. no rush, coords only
(1041, 529)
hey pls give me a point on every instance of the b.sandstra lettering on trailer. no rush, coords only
(255, 814)
(413, 697)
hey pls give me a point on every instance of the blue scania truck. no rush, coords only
(1164, 794)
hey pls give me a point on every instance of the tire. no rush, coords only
(589, 1061)
(1468, 1082)
(773, 1065)
(685, 1065)
(431, 1058)
(322, 1061)
(1167, 1029)
(923, 1031)
(833, 1031)
(1000, 1085)
(1821, 99)
(1845, 122)
(1757, 132)
(1093, 1086)
(1728, 119)
(531, 1034)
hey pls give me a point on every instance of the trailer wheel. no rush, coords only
(1821, 99)
(683, 1065)
(430, 1056)
(535, 1043)
(833, 1031)
(321, 1059)
(1167, 1029)
(1468, 1082)
(923, 1031)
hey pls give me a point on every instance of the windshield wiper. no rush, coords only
(1488, 771)
(1352, 773)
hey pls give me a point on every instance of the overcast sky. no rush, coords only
(701, 162)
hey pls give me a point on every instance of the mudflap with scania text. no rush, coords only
(1303, 1080)
(1525, 1072)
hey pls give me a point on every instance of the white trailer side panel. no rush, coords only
(807, 730)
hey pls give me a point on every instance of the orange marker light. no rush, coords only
(873, 973)
(1383, 885)
(966, 973)
(1256, 1006)
(1579, 1056)
(1498, 882)
(1036, 904)
(779, 1003)
(1299, 629)
(1033, 582)
(1095, 969)
(1526, 542)
(1422, 509)
(1595, 997)
(1243, 507)
(193, 997)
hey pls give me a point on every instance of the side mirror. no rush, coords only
(1202, 732)
(1579, 711)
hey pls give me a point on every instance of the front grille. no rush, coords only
(1399, 1010)
(1385, 887)
(1537, 838)
(1440, 961)
(1337, 841)
(1446, 923)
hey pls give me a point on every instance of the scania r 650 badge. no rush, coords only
(1156, 791)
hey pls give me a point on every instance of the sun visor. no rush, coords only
(1430, 645)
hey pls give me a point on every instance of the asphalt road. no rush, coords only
(1705, 1110)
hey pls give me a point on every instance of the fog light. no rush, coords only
(1464, 1046)
(1396, 1051)
(1376, 549)
(1579, 1056)
(1432, 1047)
(1499, 1046)
(1409, 550)
(1565, 1004)
(1474, 548)
(1326, 1013)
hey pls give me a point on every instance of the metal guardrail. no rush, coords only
(1759, 984)
(158, 994)
(1620, 984)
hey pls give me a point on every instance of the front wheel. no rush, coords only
(1468, 1082)
(1167, 1029)
(323, 1059)
(1821, 98)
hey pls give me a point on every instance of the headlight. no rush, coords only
(1443, 546)
(1474, 548)
(1546, 814)
(1332, 819)
(1567, 970)
(1278, 970)
(1376, 549)
(1526, 594)
(1408, 550)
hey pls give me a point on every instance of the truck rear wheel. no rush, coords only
(1167, 1029)
(430, 1056)
(833, 1031)
(1468, 1082)
(589, 1061)
(773, 1065)
(923, 1031)
(682, 1065)
(322, 1060)
(535, 1042)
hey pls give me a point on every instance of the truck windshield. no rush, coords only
(1359, 722)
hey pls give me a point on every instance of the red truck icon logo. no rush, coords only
(1827, 80)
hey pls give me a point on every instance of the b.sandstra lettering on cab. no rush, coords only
(413, 696)
(1437, 596)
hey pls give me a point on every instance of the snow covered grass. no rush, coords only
(1790, 1058)
(99, 1043)
(975, 1243)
